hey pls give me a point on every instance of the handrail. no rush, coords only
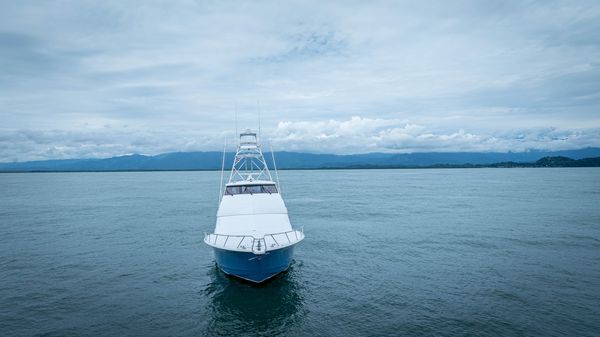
(212, 238)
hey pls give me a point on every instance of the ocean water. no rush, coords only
(449, 252)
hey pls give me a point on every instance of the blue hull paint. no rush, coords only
(251, 267)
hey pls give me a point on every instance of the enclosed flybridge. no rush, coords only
(253, 238)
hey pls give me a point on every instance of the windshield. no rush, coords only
(250, 189)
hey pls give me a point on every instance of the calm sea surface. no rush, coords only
(450, 252)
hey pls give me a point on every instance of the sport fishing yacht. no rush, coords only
(253, 238)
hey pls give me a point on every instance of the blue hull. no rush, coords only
(251, 267)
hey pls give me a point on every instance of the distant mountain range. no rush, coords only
(297, 160)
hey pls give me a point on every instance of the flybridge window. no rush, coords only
(250, 189)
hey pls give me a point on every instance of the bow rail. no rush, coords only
(248, 243)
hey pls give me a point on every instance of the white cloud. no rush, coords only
(380, 135)
(22, 145)
(354, 135)
(416, 73)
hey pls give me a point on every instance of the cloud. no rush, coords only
(359, 135)
(105, 142)
(354, 135)
(490, 69)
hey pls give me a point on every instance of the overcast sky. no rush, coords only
(103, 78)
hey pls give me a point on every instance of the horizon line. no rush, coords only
(300, 152)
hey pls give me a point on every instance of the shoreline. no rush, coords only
(310, 169)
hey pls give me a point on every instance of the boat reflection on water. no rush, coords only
(243, 308)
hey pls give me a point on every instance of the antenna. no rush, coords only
(258, 103)
(236, 128)
(275, 167)
(222, 169)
